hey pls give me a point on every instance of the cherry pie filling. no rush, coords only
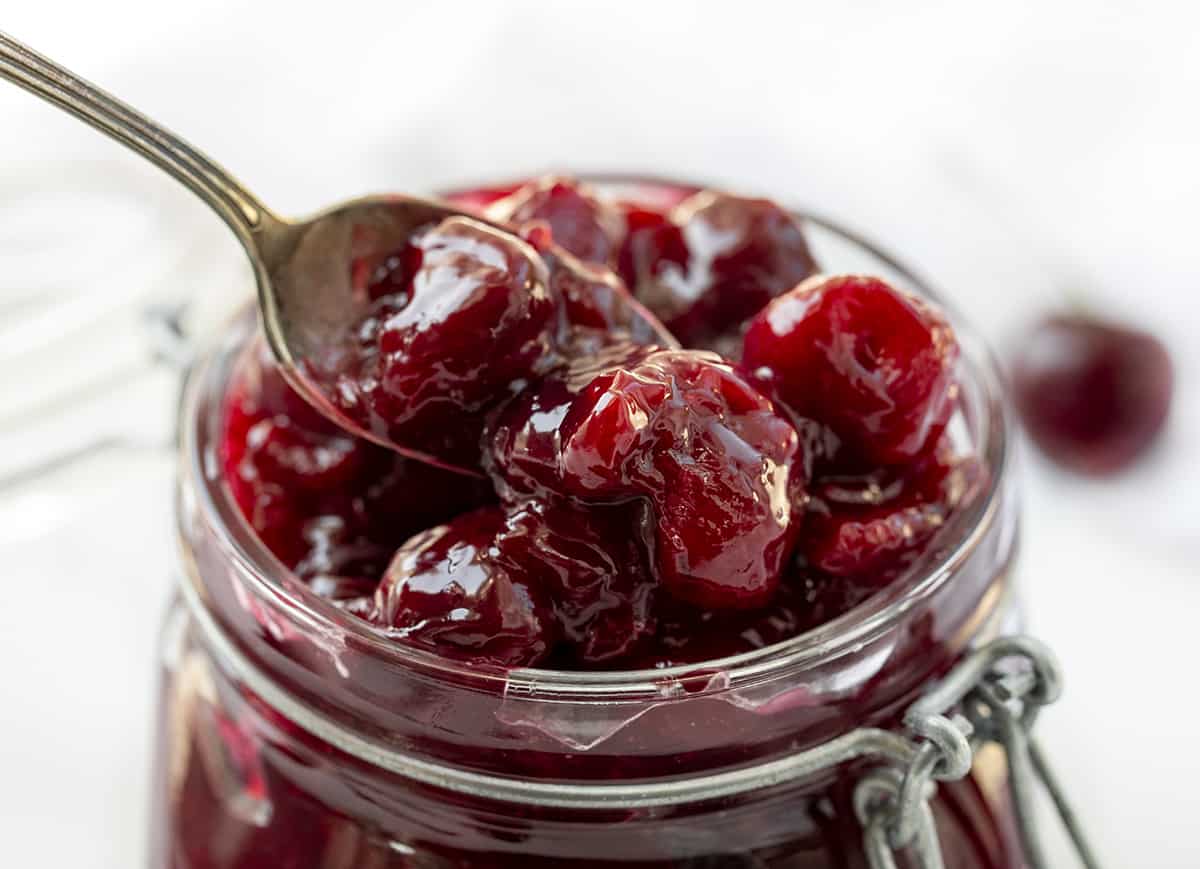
(656, 434)
(659, 434)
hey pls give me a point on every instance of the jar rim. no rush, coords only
(271, 580)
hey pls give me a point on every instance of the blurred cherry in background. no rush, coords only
(1094, 395)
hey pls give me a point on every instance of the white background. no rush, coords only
(1021, 154)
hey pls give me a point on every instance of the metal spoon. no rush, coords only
(302, 267)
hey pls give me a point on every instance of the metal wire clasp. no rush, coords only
(993, 696)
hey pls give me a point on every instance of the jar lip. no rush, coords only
(271, 580)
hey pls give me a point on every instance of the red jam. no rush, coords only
(680, 445)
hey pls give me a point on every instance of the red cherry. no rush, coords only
(441, 347)
(870, 526)
(284, 453)
(875, 365)
(1093, 395)
(447, 592)
(594, 564)
(713, 264)
(523, 440)
(579, 222)
(596, 309)
(683, 430)
(328, 505)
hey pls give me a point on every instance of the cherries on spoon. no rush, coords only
(304, 269)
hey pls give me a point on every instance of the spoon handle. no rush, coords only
(39, 75)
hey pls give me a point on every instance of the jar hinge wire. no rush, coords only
(992, 697)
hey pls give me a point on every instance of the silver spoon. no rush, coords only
(302, 267)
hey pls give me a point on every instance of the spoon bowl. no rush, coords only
(307, 299)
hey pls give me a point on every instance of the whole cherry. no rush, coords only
(579, 221)
(868, 527)
(712, 263)
(680, 428)
(874, 364)
(1093, 395)
(457, 319)
(594, 564)
(446, 591)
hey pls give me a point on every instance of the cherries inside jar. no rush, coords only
(671, 433)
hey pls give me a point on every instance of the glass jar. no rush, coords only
(291, 735)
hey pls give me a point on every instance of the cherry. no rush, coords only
(588, 566)
(1093, 395)
(447, 591)
(595, 307)
(869, 526)
(594, 563)
(278, 454)
(874, 364)
(331, 507)
(714, 263)
(280, 450)
(683, 430)
(653, 250)
(579, 222)
(522, 441)
(459, 320)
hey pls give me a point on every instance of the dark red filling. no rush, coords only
(637, 503)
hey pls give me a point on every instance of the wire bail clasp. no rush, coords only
(992, 697)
